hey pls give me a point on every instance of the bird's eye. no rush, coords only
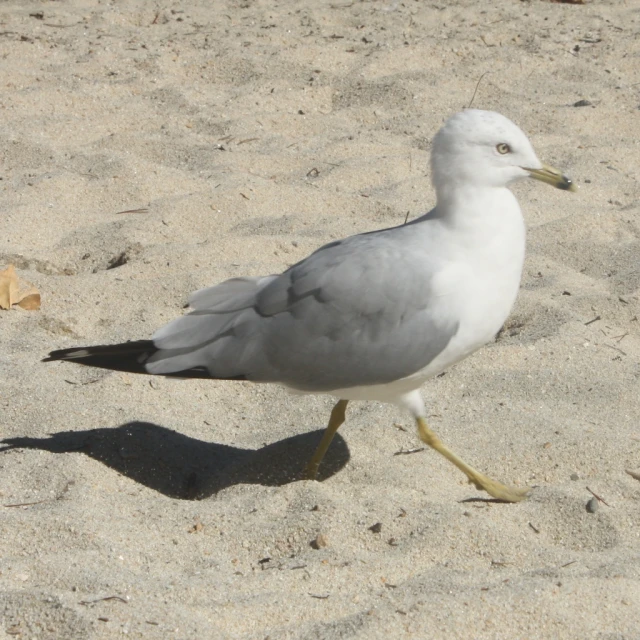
(503, 148)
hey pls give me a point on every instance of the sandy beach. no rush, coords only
(149, 150)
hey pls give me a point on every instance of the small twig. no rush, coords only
(476, 89)
(87, 602)
(58, 497)
(79, 173)
(592, 321)
(597, 497)
(319, 597)
(406, 452)
(25, 504)
(568, 564)
(534, 528)
(143, 210)
(60, 26)
(614, 348)
(82, 383)
(65, 489)
(246, 140)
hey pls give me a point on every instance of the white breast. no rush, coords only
(480, 285)
(475, 286)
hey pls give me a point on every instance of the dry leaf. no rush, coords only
(8, 287)
(16, 291)
(30, 301)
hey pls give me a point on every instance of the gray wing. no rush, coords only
(356, 312)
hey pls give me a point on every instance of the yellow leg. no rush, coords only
(336, 419)
(482, 482)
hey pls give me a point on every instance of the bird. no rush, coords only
(373, 316)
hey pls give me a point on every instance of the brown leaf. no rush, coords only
(30, 301)
(8, 287)
(15, 291)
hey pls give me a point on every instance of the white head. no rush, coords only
(483, 148)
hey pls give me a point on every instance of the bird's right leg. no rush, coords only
(336, 419)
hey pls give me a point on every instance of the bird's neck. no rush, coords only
(477, 207)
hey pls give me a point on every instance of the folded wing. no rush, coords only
(356, 312)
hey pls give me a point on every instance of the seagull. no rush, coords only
(375, 315)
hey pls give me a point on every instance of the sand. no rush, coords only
(249, 133)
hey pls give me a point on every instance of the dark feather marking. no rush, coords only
(127, 356)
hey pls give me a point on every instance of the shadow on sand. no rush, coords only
(182, 467)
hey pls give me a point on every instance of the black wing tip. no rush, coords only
(115, 351)
(128, 357)
(66, 354)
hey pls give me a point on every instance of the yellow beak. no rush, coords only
(552, 176)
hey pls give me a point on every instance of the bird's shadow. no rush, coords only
(182, 467)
